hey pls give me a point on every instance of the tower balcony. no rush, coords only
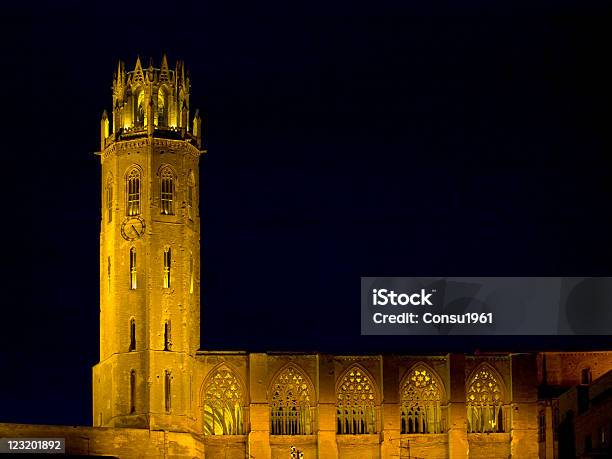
(161, 132)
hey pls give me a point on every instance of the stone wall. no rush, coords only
(564, 368)
(432, 446)
(256, 372)
(490, 446)
(117, 442)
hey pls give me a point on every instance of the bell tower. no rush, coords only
(149, 251)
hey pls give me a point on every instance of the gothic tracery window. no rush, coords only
(420, 400)
(167, 191)
(290, 404)
(484, 402)
(223, 401)
(356, 408)
(133, 192)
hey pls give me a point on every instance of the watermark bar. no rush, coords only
(33, 445)
(486, 305)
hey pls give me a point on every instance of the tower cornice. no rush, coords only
(124, 146)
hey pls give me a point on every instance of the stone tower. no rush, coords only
(149, 252)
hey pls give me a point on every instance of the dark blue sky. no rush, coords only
(446, 141)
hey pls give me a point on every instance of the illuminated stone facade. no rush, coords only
(149, 252)
(156, 394)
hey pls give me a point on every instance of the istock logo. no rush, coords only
(383, 297)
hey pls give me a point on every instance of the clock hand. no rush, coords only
(135, 230)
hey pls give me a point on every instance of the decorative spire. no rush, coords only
(151, 76)
(103, 130)
(197, 127)
(138, 73)
(137, 92)
(138, 65)
(119, 76)
(164, 64)
(164, 74)
(180, 73)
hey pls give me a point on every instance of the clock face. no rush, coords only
(132, 228)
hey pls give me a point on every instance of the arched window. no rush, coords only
(167, 390)
(167, 266)
(484, 396)
(132, 334)
(190, 194)
(420, 399)
(132, 391)
(139, 110)
(223, 400)
(356, 403)
(167, 191)
(133, 273)
(162, 107)
(167, 337)
(585, 376)
(290, 404)
(133, 192)
(109, 200)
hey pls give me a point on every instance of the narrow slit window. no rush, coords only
(109, 201)
(167, 267)
(167, 336)
(133, 193)
(132, 335)
(108, 272)
(167, 389)
(132, 391)
(542, 427)
(191, 274)
(133, 272)
(190, 193)
(167, 192)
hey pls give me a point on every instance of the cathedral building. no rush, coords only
(157, 394)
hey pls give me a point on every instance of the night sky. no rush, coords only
(373, 140)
